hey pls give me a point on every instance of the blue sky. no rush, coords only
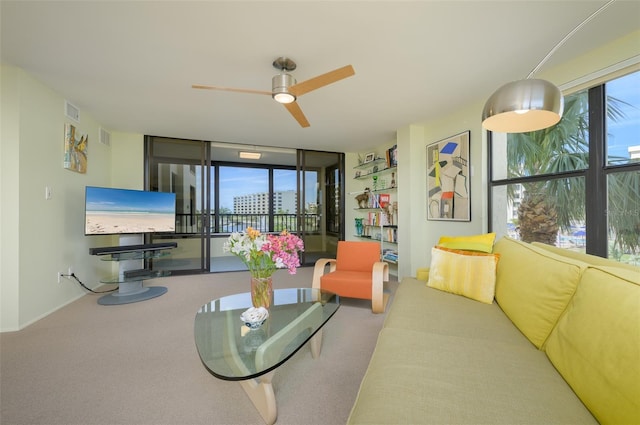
(123, 200)
(237, 181)
(623, 134)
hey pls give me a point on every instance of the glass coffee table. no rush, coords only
(233, 352)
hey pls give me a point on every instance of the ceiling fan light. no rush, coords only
(284, 97)
(524, 105)
(280, 88)
(249, 155)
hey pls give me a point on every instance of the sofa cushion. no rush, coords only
(482, 243)
(418, 307)
(534, 286)
(596, 344)
(418, 378)
(467, 273)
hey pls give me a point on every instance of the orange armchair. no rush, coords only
(357, 272)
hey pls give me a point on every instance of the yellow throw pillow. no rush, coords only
(482, 243)
(466, 273)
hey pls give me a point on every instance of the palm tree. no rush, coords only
(550, 205)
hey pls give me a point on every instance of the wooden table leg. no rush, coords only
(260, 391)
(316, 344)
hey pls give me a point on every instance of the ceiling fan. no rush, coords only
(285, 89)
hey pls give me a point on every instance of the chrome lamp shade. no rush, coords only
(524, 105)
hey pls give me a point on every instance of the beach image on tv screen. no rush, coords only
(112, 211)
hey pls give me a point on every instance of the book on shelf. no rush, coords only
(392, 234)
(390, 255)
(384, 199)
(377, 219)
(378, 200)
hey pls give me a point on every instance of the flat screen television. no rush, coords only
(111, 211)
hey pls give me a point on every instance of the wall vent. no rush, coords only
(71, 111)
(104, 137)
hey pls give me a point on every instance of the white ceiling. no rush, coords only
(131, 64)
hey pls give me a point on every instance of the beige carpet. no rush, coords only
(137, 363)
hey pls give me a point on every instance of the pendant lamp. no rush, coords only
(529, 104)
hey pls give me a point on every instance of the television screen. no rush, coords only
(116, 211)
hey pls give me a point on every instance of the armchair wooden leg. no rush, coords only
(379, 304)
(378, 297)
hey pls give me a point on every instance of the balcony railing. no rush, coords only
(229, 223)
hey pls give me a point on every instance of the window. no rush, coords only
(241, 203)
(577, 184)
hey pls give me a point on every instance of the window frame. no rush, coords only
(596, 193)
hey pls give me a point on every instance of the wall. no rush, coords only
(417, 234)
(41, 237)
(9, 190)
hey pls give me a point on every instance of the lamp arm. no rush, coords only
(568, 36)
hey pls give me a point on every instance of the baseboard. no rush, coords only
(43, 315)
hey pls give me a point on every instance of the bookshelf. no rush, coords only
(377, 212)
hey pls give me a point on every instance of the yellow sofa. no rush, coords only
(559, 344)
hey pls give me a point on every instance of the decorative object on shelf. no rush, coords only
(363, 199)
(254, 317)
(263, 254)
(393, 180)
(375, 182)
(358, 173)
(392, 156)
(388, 207)
(75, 150)
(359, 226)
(448, 184)
(369, 157)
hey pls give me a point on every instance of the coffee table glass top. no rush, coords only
(231, 351)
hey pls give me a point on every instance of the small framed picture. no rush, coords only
(369, 157)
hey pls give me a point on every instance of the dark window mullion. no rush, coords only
(596, 182)
(272, 210)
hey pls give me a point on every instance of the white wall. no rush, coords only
(41, 237)
(9, 197)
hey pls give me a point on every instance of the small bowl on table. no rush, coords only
(254, 317)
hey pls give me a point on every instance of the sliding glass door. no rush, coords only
(217, 194)
(180, 166)
(321, 215)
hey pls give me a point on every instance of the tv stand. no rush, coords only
(131, 276)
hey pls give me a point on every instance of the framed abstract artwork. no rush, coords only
(448, 184)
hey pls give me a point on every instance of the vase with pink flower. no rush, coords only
(263, 254)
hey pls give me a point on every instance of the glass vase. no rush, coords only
(261, 291)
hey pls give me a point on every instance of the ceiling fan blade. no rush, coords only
(250, 91)
(294, 109)
(322, 80)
